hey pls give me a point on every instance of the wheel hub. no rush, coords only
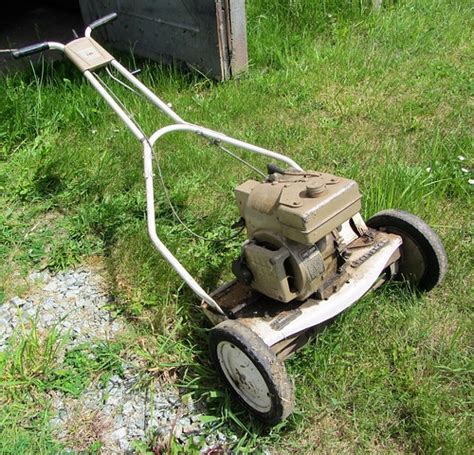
(244, 376)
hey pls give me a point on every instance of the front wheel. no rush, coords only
(423, 260)
(257, 377)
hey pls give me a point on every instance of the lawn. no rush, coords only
(384, 98)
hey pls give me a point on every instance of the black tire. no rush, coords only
(423, 259)
(232, 340)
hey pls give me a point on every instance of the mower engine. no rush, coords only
(294, 221)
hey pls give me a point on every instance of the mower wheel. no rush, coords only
(423, 259)
(254, 373)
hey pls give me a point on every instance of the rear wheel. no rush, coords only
(423, 259)
(254, 373)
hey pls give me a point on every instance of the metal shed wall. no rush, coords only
(207, 34)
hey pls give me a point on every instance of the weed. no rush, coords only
(85, 430)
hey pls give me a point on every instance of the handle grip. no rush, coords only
(29, 50)
(103, 20)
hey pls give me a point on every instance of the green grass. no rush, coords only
(33, 365)
(378, 97)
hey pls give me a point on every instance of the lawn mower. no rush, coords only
(308, 256)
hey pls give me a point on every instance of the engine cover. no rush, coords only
(300, 206)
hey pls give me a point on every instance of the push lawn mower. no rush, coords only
(309, 254)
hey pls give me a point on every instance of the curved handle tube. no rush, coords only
(190, 127)
(159, 245)
(210, 134)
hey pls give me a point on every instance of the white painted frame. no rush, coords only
(178, 125)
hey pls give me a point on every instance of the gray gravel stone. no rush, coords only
(16, 301)
(39, 276)
(119, 434)
(52, 286)
(48, 304)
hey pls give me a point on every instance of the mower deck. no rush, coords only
(281, 325)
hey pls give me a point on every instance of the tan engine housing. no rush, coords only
(292, 221)
(300, 206)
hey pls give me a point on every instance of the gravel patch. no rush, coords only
(73, 301)
(123, 413)
(117, 412)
